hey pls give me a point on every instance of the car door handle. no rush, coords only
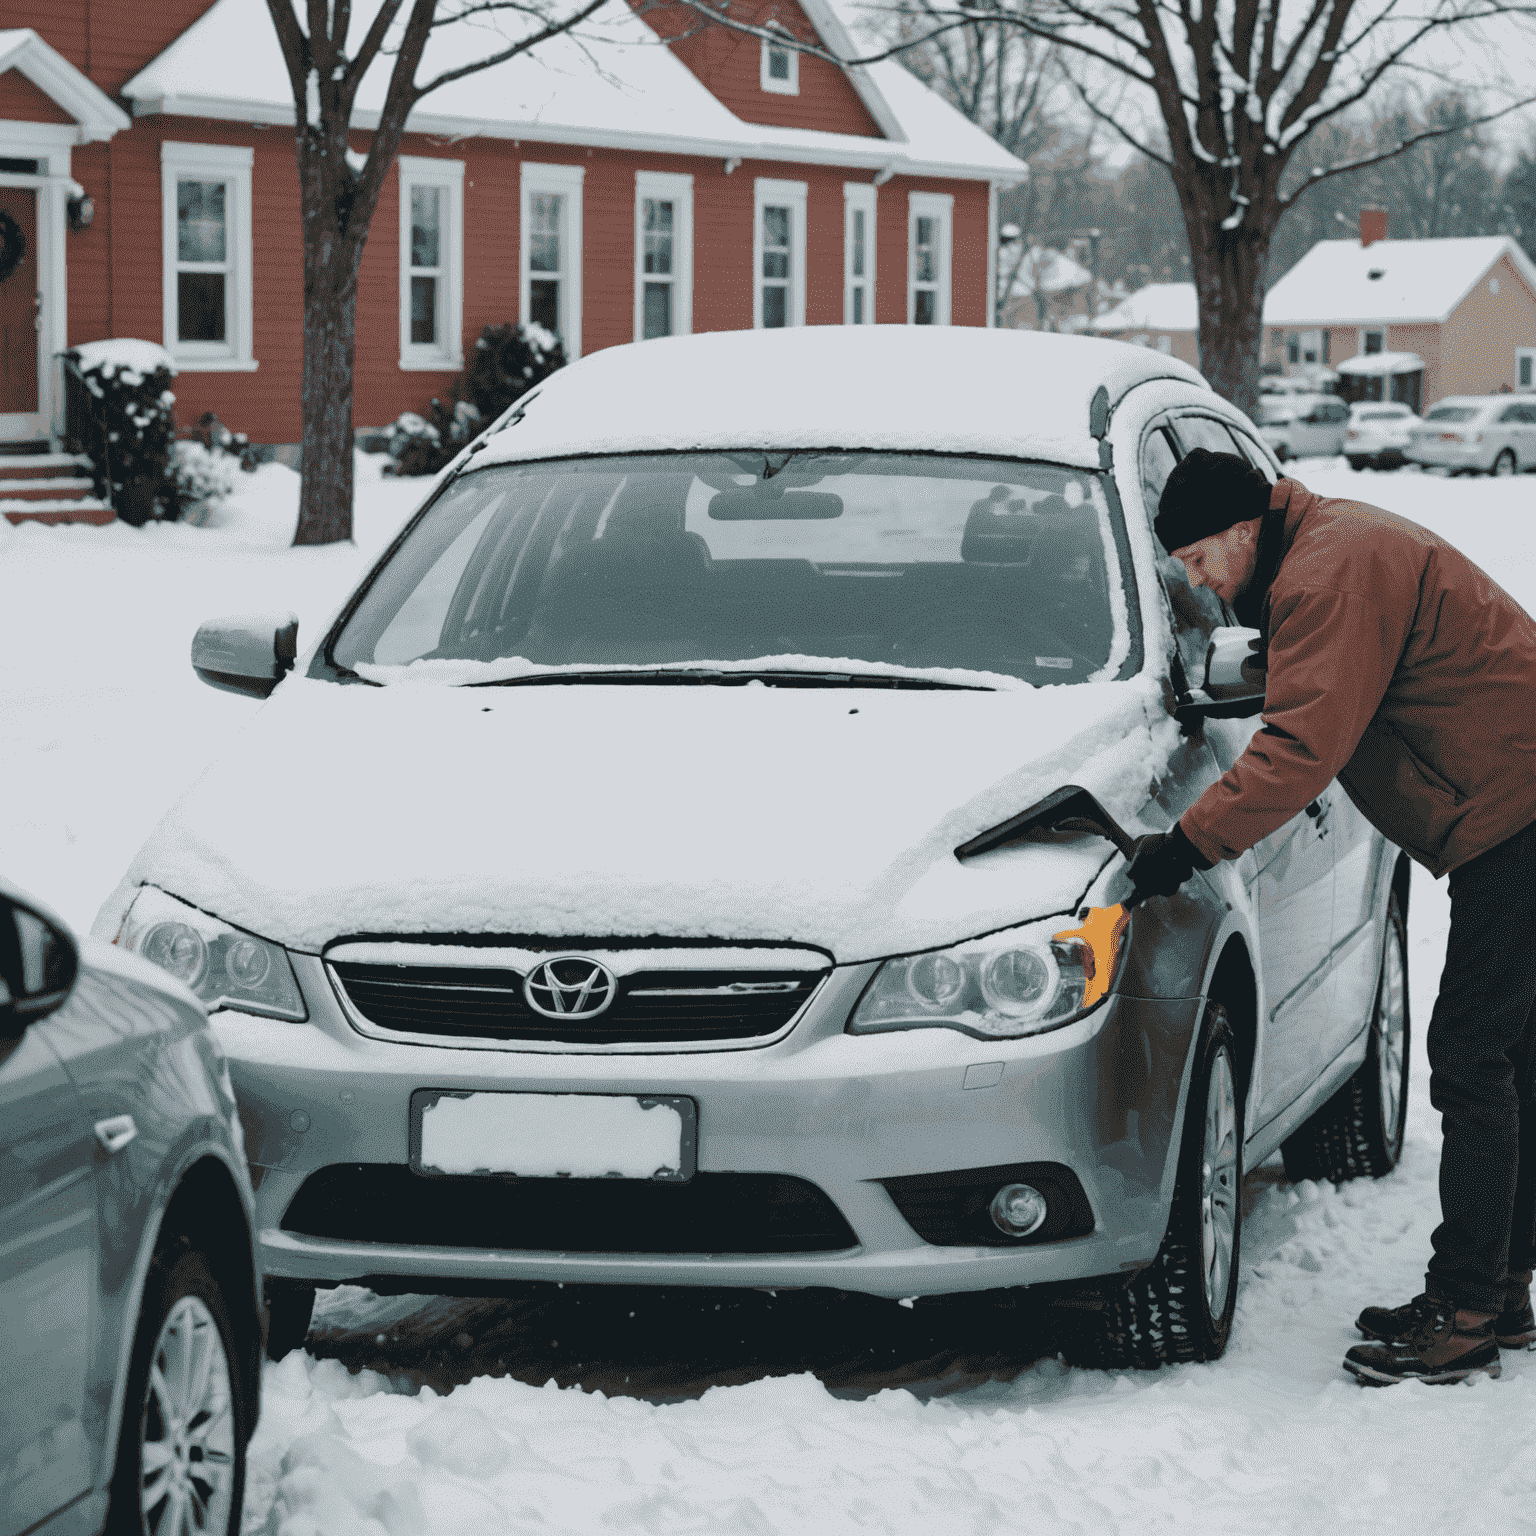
(116, 1132)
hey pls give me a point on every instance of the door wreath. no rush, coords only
(13, 244)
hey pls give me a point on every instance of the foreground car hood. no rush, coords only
(826, 817)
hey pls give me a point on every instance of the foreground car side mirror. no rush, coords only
(38, 964)
(247, 653)
(1234, 678)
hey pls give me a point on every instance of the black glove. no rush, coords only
(1161, 863)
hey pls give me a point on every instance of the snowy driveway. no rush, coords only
(840, 1415)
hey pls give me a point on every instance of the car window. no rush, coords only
(1157, 460)
(1204, 432)
(1276, 413)
(1254, 454)
(917, 561)
(1451, 413)
(1515, 413)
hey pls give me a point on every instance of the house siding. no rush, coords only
(1483, 331)
(22, 102)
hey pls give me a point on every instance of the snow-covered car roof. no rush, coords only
(612, 83)
(962, 389)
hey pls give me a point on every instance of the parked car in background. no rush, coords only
(1377, 434)
(734, 892)
(130, 1322)
(1467, 434)
(1303, 426)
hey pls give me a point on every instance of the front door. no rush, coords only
(20, 407)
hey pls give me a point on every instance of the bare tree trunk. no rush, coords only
(1228, 268)
(330, 308)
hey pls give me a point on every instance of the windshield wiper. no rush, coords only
(682, 676)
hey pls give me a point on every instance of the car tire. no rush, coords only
(184, 1434)
(1359, 464)
(1180, 1307)
(1505, 464)
(290, 1305)
(1358, 1133)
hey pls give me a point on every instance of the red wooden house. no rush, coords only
(648, 178)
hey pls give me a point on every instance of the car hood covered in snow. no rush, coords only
(819, 816)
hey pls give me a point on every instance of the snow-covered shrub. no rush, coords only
(219, 440)
(204, 478)
(508, 361)
(126, 425)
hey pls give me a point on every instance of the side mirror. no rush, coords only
(247, 653)
(38, 963)
(1234, 681)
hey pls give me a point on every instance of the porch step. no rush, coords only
(23, 466)
(45, 487)
(84, 509)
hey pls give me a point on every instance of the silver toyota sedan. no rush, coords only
(695, 855)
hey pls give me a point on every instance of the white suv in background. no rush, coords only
(1378, 433)
(1467, 433)
(1304, 426)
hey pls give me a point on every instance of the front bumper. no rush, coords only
(1101, 1097)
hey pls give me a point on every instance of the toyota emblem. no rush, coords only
(570, 987)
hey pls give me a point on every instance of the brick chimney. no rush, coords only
(1373, 226)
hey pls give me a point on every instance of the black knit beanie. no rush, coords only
(1207, 493)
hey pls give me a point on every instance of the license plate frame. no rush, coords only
(423, 1099)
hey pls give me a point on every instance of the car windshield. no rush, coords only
(892, 562)
(1451, 413)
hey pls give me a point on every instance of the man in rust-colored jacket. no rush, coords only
(1398, 667)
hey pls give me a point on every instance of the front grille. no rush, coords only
(712, 1213)
(488, 1004)
(949, 1210)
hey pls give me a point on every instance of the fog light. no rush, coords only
(1018, 1210)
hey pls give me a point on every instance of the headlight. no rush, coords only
(1020, 982)
(226, 967)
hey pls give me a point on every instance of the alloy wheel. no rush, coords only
(1219, 1191)
(187, 1435)
(1389, 1027)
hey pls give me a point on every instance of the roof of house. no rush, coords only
(96, 115)
(1341, 282)
(1157, 307)
(1005, 393)
(1049, 270)
(615, 84)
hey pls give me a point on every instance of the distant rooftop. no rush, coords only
(1157, 307)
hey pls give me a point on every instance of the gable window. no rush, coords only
(858, 253)
(1371, 342)
(205, 205)
(551, 251)
(431, 262)
(663, 255)
(928, 246)
(779, 71)
(779, 254)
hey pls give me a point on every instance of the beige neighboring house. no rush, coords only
(1463, 309)
(1163, 316)
(1048, 280)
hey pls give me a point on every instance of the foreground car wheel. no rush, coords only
(1180, 1307)
(290, 1306)
(181, 1456)
(1359, 1131)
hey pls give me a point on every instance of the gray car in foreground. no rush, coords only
(130, 1330)
(696, 855)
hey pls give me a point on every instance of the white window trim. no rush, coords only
(930, 205)
(1380, 330)
(210, 162)
(859, 197)
(1529, 352)
(780, 194)
(447, 353)
(567, 181)
(678, 190)
(789, 87)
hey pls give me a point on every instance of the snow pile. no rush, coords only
(123, 359)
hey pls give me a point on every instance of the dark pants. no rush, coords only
(1482, 1057)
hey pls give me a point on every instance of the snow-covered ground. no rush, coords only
(682, 1414)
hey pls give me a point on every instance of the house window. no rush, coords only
(663, 255)
(431, 262)
(780, 68)
(1525, 367)
(205, 201)
(779, 254)
(1292, 348)
(928, 247)
(1371, 342)
(858, 253)
(551, 251)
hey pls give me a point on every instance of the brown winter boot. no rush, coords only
(1515, 1326)
(1448, 1344)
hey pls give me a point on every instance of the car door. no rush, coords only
(47, 1281)
(1362, 865)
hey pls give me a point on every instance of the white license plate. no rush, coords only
(554, 1135)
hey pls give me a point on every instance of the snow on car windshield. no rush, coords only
(894, 561)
